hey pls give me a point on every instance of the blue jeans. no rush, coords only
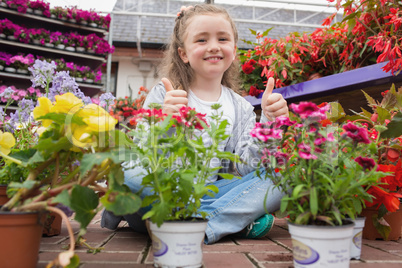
(237, 204)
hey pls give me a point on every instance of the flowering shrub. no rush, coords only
(124, 108)
(369, 33)
(383, 126)
(324, 169)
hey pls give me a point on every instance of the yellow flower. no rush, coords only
(67, 103)
(7, 141)
(97, 119)
(45, 106)
(81, 137)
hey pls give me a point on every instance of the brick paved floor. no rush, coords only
(125, 248)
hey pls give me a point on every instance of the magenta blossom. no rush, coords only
(365, 162)
(305, 151)
(309, 109)
(358, 134)
(283, 121)
(264, 132)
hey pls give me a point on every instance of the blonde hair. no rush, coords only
(180, 73)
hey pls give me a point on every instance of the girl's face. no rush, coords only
(209, 46)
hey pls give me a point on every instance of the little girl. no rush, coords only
(200, 64)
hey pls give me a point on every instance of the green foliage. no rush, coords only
(176, 161)
(322, 168)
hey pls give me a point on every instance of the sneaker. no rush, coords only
(259, 228)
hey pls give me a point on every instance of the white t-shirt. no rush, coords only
(228, 113)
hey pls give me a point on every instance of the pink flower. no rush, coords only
(305, 151)
(357, 134)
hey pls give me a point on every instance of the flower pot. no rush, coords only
(22, 71)
(60, 46)
(38, 12)
(2, 35)
(356, 243)
(11, 37)
(10, 69)
(3, 194)
(52, 224)
(1, 67)
(80, 49)
(70, 48)
(49, 45)
(93, 24)
(321, 246)
(89, 81)
(78, 79)
(36, 42)
(23, 232)
(393, 219)
(178, 243)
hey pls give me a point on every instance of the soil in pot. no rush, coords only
(23, 232)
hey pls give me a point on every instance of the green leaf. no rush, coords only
(50, 145)
(121, 203)
(63, 198)
(24, 155)
(394, 127)
(313, 201)
(90, 160)
(84, 202)
(74, 262)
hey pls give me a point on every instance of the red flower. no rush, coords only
(390, 200)
(254, 91)
(248, 67)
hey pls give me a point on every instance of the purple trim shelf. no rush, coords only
(347, 81)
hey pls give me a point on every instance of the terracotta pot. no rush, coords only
(394, 220)
(52, 224)
(3, 194)
(20, 235)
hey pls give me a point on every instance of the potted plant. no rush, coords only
(77, 146)
(325, 171)
(170, 152)
(384, 212)
(368, 34)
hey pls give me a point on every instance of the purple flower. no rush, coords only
(105, 100)
(358, 134)
(42, 72)
(7, 93)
